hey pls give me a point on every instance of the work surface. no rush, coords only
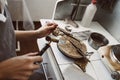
(95, 70)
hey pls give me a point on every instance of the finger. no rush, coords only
(50, 24)
(20, 76)
(32, 54)
(37, 61)
(36, 66)
(52, 27)
(37, 58)
(55, 24)
(26, 73)
(31, 67)
(23, 78)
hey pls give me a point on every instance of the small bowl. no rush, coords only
(96, 40)
(115, 53)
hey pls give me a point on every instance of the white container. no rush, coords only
(89, 14)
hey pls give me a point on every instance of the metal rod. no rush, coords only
(75, 10)
(83, 5)
(67, 33)
(80, 51)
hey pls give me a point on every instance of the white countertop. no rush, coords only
(95, 70)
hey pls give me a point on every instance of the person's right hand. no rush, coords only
(20, 67)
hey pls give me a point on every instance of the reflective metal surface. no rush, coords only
(96, 40)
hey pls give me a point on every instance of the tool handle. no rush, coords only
(44, 49)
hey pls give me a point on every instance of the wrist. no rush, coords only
(37, 34)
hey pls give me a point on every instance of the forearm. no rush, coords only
(1, 73)
(26, 35)
(2, 66)
(34, 34)
(1, 76)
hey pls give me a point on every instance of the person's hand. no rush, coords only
(46, 30)
(20, 67)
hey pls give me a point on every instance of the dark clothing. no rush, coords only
(7, 38)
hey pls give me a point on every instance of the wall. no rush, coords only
(110, 20)
(40, 8)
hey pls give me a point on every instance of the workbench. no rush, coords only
(64, 68)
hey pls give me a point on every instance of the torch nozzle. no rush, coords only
(53, 39)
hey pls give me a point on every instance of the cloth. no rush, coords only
(83, 35)
(7, 37)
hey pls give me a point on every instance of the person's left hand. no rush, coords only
(46, 30)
